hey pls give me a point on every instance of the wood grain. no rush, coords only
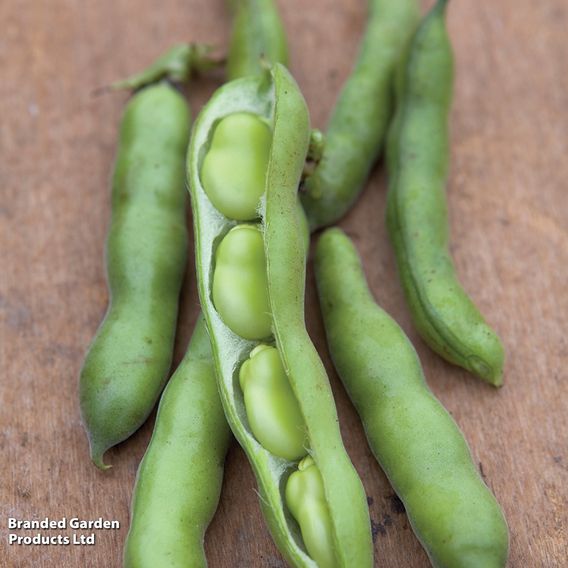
(509, 222)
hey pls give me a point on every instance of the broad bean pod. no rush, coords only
(127, 363)
(179, 479)
(417, 158)
(416, 442)
(358, 125)
(129, 359)
(273, 99)
(258, 34)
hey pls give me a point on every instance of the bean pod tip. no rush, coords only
(97, 456)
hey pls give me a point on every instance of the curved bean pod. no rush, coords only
(414, 439)
(258, 34)
(418, 156)
(179, 479)
(359, 122)
(129, 359)
(274, 97)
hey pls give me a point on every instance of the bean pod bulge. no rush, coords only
(245, 160)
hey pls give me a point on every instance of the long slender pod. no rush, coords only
(418, 156)
(245, 160)
(179, 479)
(258, 34)
(416, 442)
(128, 361)
(360, 119)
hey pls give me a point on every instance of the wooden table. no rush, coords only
(509, 221)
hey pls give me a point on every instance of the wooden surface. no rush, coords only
(509, 221)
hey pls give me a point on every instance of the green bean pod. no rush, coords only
(257, 34)
(179, 479)
(274, 99)
(358, 125)
(418, 156)
(129, 359)
(414, 439)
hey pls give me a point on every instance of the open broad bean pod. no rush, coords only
(245, 160)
